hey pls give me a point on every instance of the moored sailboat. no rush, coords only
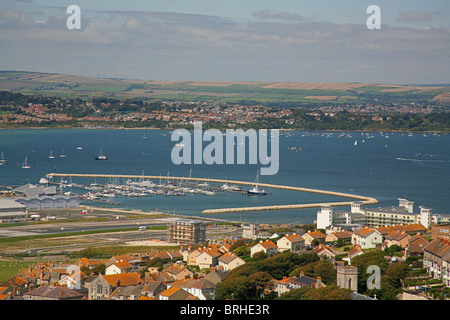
(255, 190)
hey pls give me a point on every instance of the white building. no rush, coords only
(12, 211)
(367, 238)
(268, 247)
(49, 202)
(376, 217)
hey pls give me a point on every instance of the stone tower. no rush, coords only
(347, 277)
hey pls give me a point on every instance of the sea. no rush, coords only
(382, 165)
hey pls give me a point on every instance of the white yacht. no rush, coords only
(255, 190)
(101, 156)
(25, 164)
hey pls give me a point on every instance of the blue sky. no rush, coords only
(246, 40)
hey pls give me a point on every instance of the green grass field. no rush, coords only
(10, 268)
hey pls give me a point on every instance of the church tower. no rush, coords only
(347, 277)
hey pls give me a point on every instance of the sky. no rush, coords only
(233, 40)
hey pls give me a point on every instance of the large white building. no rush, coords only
(49, 202)
(376, 217)
(12, 211)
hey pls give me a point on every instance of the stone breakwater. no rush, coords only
(363, 199)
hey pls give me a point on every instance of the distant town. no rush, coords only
(18, 111)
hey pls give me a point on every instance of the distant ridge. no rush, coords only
(222, 91)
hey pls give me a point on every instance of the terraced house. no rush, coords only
(436, 259)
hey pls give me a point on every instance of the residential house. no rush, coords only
(305, 281)
(367, 238)
(283, 285)
(75, 280)
(310, 236)
(6, 293)
(410, 229)
(216, 275)
(52, 293)
(119, 267)
(192, 256)
(440, 231)
(436, 255)
(104, 285)
(208, 257)
(289, 283)
(230, 261)
(290, 242)
(126, 293)
(398, 238)
(339, 236)
(88, 263)
(446, 271)
(176, 293)
(178, 271)
(18, 285)
(200, 288)
(153, 288)
(268, 247)
(325, 252)
(415, 245)
(354, 252)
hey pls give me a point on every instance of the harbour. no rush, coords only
(179, 189)
(313, 160)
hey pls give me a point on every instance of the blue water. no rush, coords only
(321, 160)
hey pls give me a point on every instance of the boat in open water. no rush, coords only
(101, 156)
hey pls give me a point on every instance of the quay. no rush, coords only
(365, 200)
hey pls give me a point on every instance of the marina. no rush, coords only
(144, 188)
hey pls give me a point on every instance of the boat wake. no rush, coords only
(421, 160)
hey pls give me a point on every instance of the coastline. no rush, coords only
(169, 129)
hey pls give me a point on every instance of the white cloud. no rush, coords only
(173, 46)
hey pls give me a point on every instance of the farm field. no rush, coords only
(220, 91)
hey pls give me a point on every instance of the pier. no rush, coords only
(365, 200)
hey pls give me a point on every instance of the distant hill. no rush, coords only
(268, 93)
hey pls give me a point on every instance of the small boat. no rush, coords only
(51, 156)
(101, 156)
(25, 164)
(3, 160)
(255, 191)
(79, 148)
(62, 155)
(43, 181)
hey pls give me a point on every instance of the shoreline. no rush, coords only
(171, 129)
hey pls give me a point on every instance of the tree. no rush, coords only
(322, 268)
(396, 274)
(332, 292)
(294, 294)
(362, 262)
(99, 269)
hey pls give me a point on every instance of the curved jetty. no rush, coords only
(363, 199)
